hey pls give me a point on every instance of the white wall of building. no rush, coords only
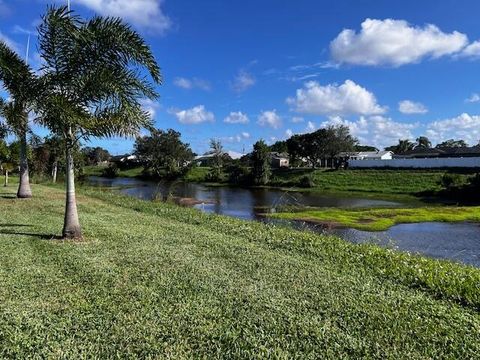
(467, 162)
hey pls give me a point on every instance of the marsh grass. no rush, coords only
(382, 219)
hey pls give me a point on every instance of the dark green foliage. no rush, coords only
(111, 171)
(423, 142)
(364, 148)
(239, 174)
(306, 182)
(96, 155)
(450, 181)
(320, 145)
(163, 153)
(402, 147)
(452, 144)
(261, 163)
(279, 146)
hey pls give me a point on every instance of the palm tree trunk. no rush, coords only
(24, 190)
(6, 178)
(54, 171)
(71, 225)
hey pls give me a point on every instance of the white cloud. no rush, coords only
(395, 43)
(236, 138)
(310, 127)
(472, 50)
(473, 98)
(243, 81)
(270, 118)
(189, 84)
(411, 107)
(288, 133)
(464, 126)
(379, 131)
(334, 99)
(146, 14)
(236, 118)
(150, 106)
(195, 115)
(297, 119)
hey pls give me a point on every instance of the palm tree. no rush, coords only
(93, 78)
(20, 81)
(7, 167)
(424, 142)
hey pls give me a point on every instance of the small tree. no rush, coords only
(91, 86)
(217, 152)
(261, 163)
(163, 153)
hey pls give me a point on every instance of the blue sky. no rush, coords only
(244, 70)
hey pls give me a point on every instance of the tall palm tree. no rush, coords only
(20, 82)
(93, 78)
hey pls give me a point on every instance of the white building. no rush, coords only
(368, 155)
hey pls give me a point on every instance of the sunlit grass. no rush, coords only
(382, 219)
(153, 280)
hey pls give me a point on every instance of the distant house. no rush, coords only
(366, 155)
(279, 160)
(423, 153)
(123, 158)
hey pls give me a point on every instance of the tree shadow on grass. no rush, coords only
(21, 233)
(8, 196)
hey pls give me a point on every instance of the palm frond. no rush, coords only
(16, 76)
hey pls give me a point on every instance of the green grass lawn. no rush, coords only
(406, 182)
(159, 281)
(382, 219)
(98, 171)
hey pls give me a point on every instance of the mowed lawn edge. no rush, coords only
(442, 278)
(158, 280)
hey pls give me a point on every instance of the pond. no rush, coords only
(455, 241)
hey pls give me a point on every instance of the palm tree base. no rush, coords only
(72, 234)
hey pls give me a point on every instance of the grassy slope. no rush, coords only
(382, 219)
(98, 170)
(408, 182)
(158, 280)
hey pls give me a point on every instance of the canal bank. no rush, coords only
(456, 242)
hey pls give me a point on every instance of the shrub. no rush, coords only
(474, 181)
(239, 175)
(306, 182)
(110, 171)
(451, 181)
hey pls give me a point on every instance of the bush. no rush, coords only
(451, 181)
(110, 171)
(306, 182)
(474, 181)
(239, 175)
